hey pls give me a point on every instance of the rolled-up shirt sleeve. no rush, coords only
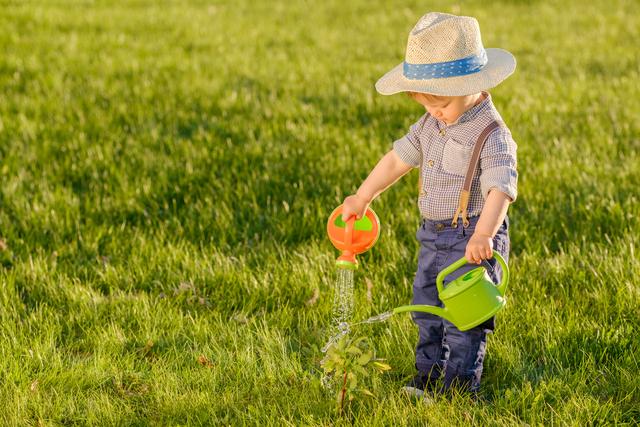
(408, 147)
(498, 164)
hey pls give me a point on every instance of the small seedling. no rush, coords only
(351, 361)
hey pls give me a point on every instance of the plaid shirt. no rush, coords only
(444, 151)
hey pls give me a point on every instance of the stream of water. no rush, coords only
(343, 309)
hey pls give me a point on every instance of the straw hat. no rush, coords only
(445, 56)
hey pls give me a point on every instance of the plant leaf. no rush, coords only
(365, 358)
(328, 365)
(353, 381)
(354, 350)
(361, 371)
(381, 366)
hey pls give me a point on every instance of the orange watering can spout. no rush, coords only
(352, 237)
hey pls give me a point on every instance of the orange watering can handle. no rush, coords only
(348, 230)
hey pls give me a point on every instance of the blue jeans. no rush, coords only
(441, 346)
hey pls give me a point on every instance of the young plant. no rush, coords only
(350, 361)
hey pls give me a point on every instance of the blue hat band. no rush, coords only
(438, 70)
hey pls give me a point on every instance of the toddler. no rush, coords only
(468, 178)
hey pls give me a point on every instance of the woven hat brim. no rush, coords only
(500, 65)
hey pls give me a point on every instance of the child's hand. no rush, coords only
(354, 205)
(479, 247)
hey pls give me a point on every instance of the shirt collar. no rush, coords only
(472, 112)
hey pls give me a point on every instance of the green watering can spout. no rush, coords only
(432, 309)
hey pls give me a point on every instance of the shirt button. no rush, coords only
(443, 132)
(430, 163)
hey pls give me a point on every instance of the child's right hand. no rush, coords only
(354, 205)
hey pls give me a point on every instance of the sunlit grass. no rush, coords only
(167, 170)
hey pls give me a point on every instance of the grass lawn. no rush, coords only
(166, 173)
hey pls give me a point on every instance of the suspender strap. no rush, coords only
(463, 203)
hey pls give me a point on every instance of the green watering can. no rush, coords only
(468, 300)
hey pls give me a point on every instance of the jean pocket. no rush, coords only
(455, 158)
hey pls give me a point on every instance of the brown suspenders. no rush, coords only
(463, 203)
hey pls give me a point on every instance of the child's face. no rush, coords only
(445, 108)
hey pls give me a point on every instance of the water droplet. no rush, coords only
(378, 318)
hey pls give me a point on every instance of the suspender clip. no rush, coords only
(461, 212)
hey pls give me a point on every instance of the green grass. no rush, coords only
(167, 169)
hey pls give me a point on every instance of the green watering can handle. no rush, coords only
(502, 287)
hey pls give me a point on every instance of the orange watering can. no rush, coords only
(352, 237)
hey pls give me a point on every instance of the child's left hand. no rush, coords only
(479, 247)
